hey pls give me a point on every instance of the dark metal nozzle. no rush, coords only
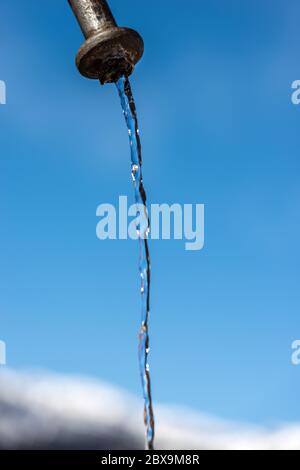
(109, 51)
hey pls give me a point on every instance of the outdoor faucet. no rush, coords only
(109, 50)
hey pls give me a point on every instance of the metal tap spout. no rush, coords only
(109, 50)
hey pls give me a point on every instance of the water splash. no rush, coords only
(129, 110)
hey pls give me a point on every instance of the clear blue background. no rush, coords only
(218, 127)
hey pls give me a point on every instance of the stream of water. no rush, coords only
(129, 110)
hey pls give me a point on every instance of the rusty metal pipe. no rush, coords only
(109, 51)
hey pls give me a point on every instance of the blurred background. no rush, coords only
(218, 127)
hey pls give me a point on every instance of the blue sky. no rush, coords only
(213, 93)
